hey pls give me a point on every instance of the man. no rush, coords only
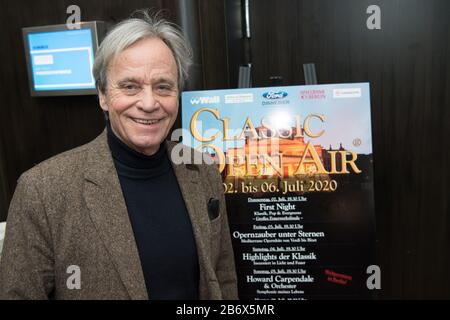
(117, 218)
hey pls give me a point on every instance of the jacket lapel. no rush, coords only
(107, 209)
(189, 180)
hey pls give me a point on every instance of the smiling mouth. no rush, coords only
(145, 121)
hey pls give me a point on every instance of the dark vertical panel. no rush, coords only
(236, 52)
(34, 129)
(187, 12)
(203, 23)
(407, 63)
(214, 44)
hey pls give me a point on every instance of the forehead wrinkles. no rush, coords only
(144, 64)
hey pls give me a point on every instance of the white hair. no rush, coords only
(142, 24)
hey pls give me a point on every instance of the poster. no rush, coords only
(296, 164)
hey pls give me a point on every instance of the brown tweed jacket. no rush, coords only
(69, 210)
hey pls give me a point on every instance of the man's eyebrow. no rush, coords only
(165, 79)
(156, 80)
(128, 79)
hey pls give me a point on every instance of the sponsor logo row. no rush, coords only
(276, 97)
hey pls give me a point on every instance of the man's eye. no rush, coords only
(130, 87)
(164, 87)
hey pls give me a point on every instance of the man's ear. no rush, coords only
(102, 100)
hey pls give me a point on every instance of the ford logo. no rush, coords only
(275, 95)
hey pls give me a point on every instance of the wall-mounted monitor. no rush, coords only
(60, 60)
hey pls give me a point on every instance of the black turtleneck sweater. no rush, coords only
(161, 225)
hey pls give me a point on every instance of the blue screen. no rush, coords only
(62, 60)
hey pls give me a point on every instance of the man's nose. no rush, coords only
(148, 101)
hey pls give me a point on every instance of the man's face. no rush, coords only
(142, 94)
